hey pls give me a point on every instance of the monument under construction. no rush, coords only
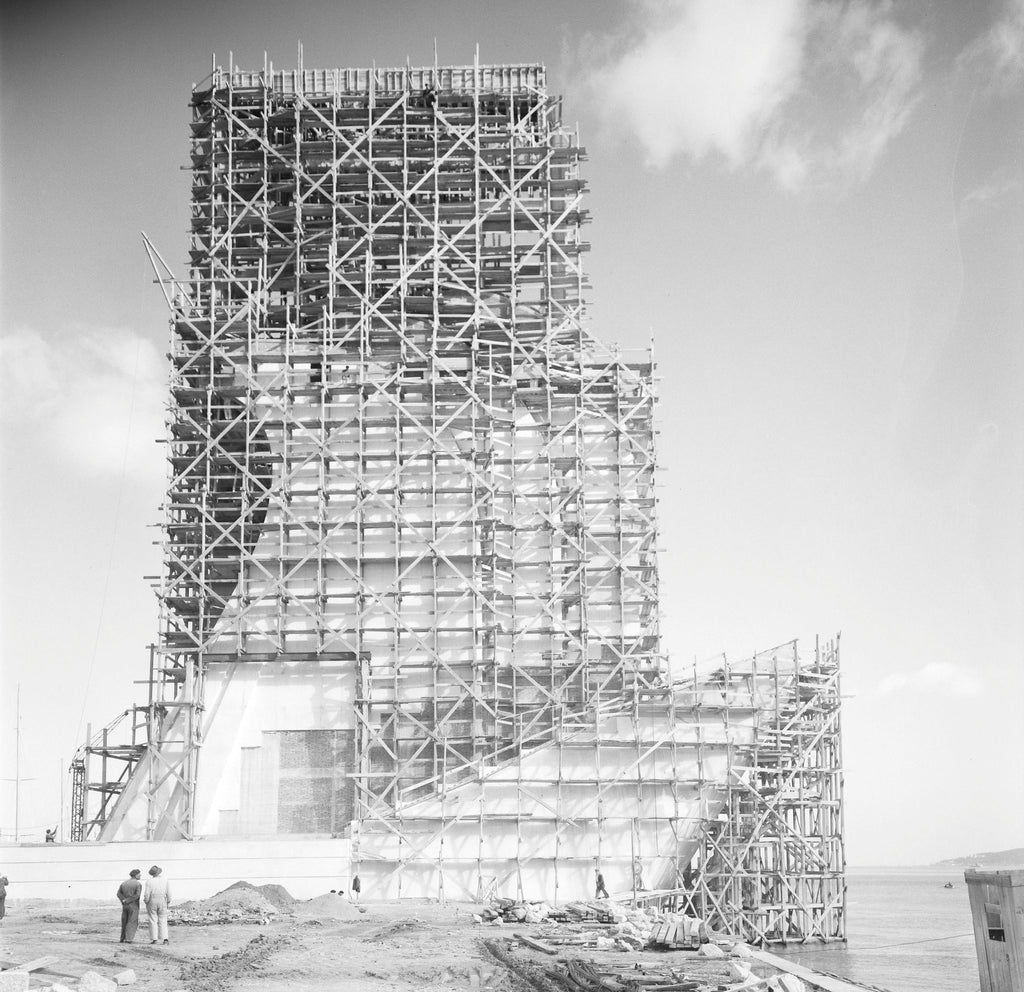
(410, 591)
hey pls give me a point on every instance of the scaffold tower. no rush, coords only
(409, 591)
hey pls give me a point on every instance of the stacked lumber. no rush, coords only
(685, 933)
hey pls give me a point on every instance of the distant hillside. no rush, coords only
(1013, 858)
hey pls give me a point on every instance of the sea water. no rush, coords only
(905, 932)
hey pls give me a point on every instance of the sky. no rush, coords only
(813, 208)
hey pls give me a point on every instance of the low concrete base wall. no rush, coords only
(196, 869)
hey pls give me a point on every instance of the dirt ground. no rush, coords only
(410, 945)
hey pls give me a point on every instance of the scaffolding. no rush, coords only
(682, 791)
(771, 865)
(402, 472)
(118, 747)
(393, 442)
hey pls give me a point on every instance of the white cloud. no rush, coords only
(1000, 51)
(887, 59)
(91, 397)
(807, 91)
(709, 78)
(940, 677)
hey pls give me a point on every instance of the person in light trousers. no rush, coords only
(157, 898)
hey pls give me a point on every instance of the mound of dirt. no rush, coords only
(233, 905)
(243, 900)
(330, 906)
(392, 929)
(277, 895)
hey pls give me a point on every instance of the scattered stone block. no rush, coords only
(790, 983)
(711, 951)
(739, 970)
(13, 981)
(92, 981)
(126, 977)
(740, 950)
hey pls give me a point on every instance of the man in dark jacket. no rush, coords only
(129, 893)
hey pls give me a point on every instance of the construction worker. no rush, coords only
(51, 836)
(157, 899)
(129, 893)
(600, 892)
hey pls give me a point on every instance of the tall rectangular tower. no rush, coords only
(411, 498)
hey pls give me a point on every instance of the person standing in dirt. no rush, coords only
(357, 887)
(128, 894)
(157, 898)
(3, 897)
(600, 892)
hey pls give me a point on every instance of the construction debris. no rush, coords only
(277, 895)
(603, 924)
(232, 905)
(92, 981)
(715, 962)
(586, 946)
(329, 906)
(589, 976)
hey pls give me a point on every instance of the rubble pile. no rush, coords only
(237, 904)
(602, 924)
(329, 906)
(277, 895)
(731, 976)
(715, 964)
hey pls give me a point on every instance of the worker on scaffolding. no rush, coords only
(158, 900)
(129, 894)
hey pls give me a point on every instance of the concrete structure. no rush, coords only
(305, 866)
(410, 588)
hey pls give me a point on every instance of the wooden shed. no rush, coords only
(997, 909)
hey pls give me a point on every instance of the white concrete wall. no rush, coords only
(196, 869)
(246, 700)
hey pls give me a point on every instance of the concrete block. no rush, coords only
(13, 981)
(126, 977)
(790, 983)
(740, 950)
(91, 981)
(739, 970)
(711, 951)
